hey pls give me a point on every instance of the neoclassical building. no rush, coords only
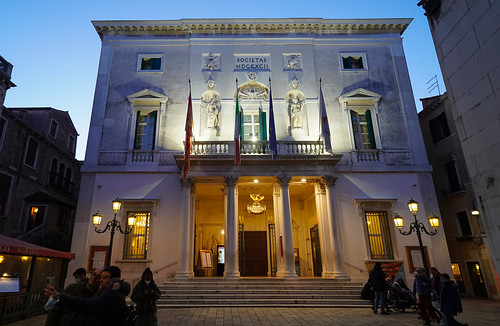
(349, 150)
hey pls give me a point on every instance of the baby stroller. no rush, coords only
(401, 299)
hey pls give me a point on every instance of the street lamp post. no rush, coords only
(418, 227)
(112, 225)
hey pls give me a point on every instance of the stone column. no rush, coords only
(232, 270)
(185, 265)
(289, 266)
(338, 261)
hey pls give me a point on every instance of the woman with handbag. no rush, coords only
(145, 294)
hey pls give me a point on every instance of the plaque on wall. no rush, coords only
(252, 62)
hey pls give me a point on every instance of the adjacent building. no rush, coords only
(5, 79)
(39, 176)
(467, 36)
(470, 258)
(306, 141)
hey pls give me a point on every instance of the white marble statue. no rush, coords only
(296, 100)
(211, 102)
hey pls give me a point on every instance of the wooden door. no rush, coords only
(316, 251)
(255, 252)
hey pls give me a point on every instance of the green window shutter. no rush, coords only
(369, 124)
(354, 128)
(242, 134)
(153, 122)
(155, 63)
(138, 120)
(264, 126)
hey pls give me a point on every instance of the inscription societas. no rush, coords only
(251, 62)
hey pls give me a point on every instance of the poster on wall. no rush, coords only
(414, 257)
(206, 259)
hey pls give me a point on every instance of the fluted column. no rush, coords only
(231, 267)
(185, 264)
(289, 266)
(338, 260)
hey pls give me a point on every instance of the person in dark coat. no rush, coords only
(422, 289)
(107, 306)
(377, 279)
(451, 304)
(145, 294)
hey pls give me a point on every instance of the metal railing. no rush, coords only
(16, 306)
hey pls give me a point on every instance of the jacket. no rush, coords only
(377, 279)
(145, 302)
(450, 298)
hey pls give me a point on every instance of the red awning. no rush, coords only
(17, 247)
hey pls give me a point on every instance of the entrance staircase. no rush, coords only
(261, 292)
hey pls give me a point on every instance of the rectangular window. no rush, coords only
(463, 221)
(150, 63)
(353, 61)
(251, 126)
(379, 235)
(451, 172)
(362, 128)
(31, 153)
(3, 130)
(5, 181)
(71, 143)
(145, 130)
(53, 129)
(439, 128)
(36, 217)
(136, 242)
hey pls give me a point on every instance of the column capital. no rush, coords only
(330, 180)
(231, 181)
(186, 183)
(284, 180)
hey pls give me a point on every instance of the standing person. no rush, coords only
(145, 294)
(450, 301)
(436, 285)
(377, 279)
(422, 288)
(108, 305)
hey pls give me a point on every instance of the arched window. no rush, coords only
(67, 179)
(60, 175)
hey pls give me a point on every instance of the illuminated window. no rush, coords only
(36, 216)
(457, 275)
(379, 235)
(136, 242)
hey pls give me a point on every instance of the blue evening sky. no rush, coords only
(55, 49)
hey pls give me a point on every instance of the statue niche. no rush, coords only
(211, 103)
(295, 100)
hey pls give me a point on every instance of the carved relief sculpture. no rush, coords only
(291, 62)
(211, 62)
(211, 103)
(295, 100)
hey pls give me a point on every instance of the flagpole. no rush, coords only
(273, 145)
(188, 142)
(237, 136)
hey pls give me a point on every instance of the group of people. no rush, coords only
(100, 299)
(440, 288)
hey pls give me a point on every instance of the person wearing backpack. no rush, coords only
(145, 294)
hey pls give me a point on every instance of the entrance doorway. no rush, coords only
(316, 251)
(477, 280)
(255, 253)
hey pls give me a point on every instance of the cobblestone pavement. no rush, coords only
(476, 312)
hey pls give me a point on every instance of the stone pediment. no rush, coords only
(360, 94)
(147, 97)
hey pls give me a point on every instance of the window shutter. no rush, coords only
(154, 114)
(264, 126)
(354, 128)
(156, 64)
(242, 134)
(369, 124)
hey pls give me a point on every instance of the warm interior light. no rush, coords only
(24, 258)
(398, 221)
(434, 221)
(2, 258)
(96, 219)
(131, 219)
(303, 180)
(254, 139)
(474, 212)
(117, 204)
(413, 206)
(255, 181)
(222, 231)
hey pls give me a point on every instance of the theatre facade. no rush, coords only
(318, 201)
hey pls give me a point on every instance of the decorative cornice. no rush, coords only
(252, 26)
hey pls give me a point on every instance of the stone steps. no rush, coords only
(261, 292)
